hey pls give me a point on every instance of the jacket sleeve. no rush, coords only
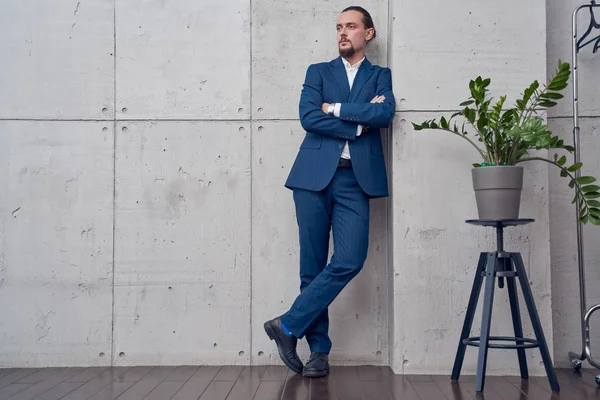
(376, 115)
(312, 117)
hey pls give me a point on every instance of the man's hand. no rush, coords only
(376, 99)
(324, 107)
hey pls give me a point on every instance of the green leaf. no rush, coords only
(585, 180)
(592, 195)
(594, 220)
(547, 103)
(575, 167)
(572, 183)
(590, 188)
(551, 95)
(417, 127)
(562, 161)
(593, 203)
(595, 212)
(557, 86)
(444, 123)
(564, 173)
(467, 103)
(584, 220)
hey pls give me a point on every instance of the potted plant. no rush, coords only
(503, 138)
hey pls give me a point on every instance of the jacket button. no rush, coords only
(340, 146)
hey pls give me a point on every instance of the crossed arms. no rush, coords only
(377, 114)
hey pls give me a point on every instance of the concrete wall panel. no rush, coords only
(438, 47)
(182, 255)
(183, 59)
(55, 243)
(57, 59)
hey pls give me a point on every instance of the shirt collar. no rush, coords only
(355, 66)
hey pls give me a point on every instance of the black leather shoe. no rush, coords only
(286, 344)
(317, 366)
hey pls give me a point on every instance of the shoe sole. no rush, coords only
(315, 374)
(272, 336)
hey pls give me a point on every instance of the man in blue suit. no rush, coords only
(339, 167)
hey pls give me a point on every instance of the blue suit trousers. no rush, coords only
(343, 208)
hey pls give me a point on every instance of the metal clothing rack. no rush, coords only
(578, 44)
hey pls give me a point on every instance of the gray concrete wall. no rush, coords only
(144, 147)
(563, 239)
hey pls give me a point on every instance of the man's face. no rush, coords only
(352, 36)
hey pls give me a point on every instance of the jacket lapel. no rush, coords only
(362, 76)
(339, 73)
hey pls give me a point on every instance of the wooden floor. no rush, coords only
(274, 382)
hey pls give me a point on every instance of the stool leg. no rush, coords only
(516, 318)
(466, 330)
(486, 319)
(535, 321)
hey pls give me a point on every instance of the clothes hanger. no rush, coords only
(593, 24)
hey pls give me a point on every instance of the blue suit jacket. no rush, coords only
(326, 135)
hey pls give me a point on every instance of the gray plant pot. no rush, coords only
(498, 191)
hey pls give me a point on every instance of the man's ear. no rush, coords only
(370, 33)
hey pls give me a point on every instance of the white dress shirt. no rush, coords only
(351, 72)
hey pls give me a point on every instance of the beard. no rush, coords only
(347, 52)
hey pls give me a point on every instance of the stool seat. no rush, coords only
(501, 265)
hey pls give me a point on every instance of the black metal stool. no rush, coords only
(499, 264)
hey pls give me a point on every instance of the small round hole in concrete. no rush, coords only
(101, 354)
(378, 353)
(260, 128)
(405, 362)
(124, 129)
(104, 129)
(214, 345)
(170, 287)
(260, 110)
(173, 331)
(241, 128)
(241, 353)
(122, 354)
(260, 353)
(124, 109)
(240, 109)
(104, 109)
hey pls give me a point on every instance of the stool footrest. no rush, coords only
(527, 343)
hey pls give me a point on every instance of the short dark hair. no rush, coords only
(367, 20)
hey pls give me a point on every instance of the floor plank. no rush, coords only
(229, 373)
(17, 376)
(323, 388)
(6, 371)
(453, 390)
(197, 384)
(347, 384)
(182, 374)
(296, 388)
(400, 388)
(93, 386)
(147, 384)
(165, 390)
(59, 391)
(369, 373)
(247, 384)
(38, 388)
(269, 390)
(112, 390)
(87, 374)
(427, 390)
(217, 391)
(12, 389)
(40, 375)
(276, 373)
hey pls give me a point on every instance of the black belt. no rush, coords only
(344, 163)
